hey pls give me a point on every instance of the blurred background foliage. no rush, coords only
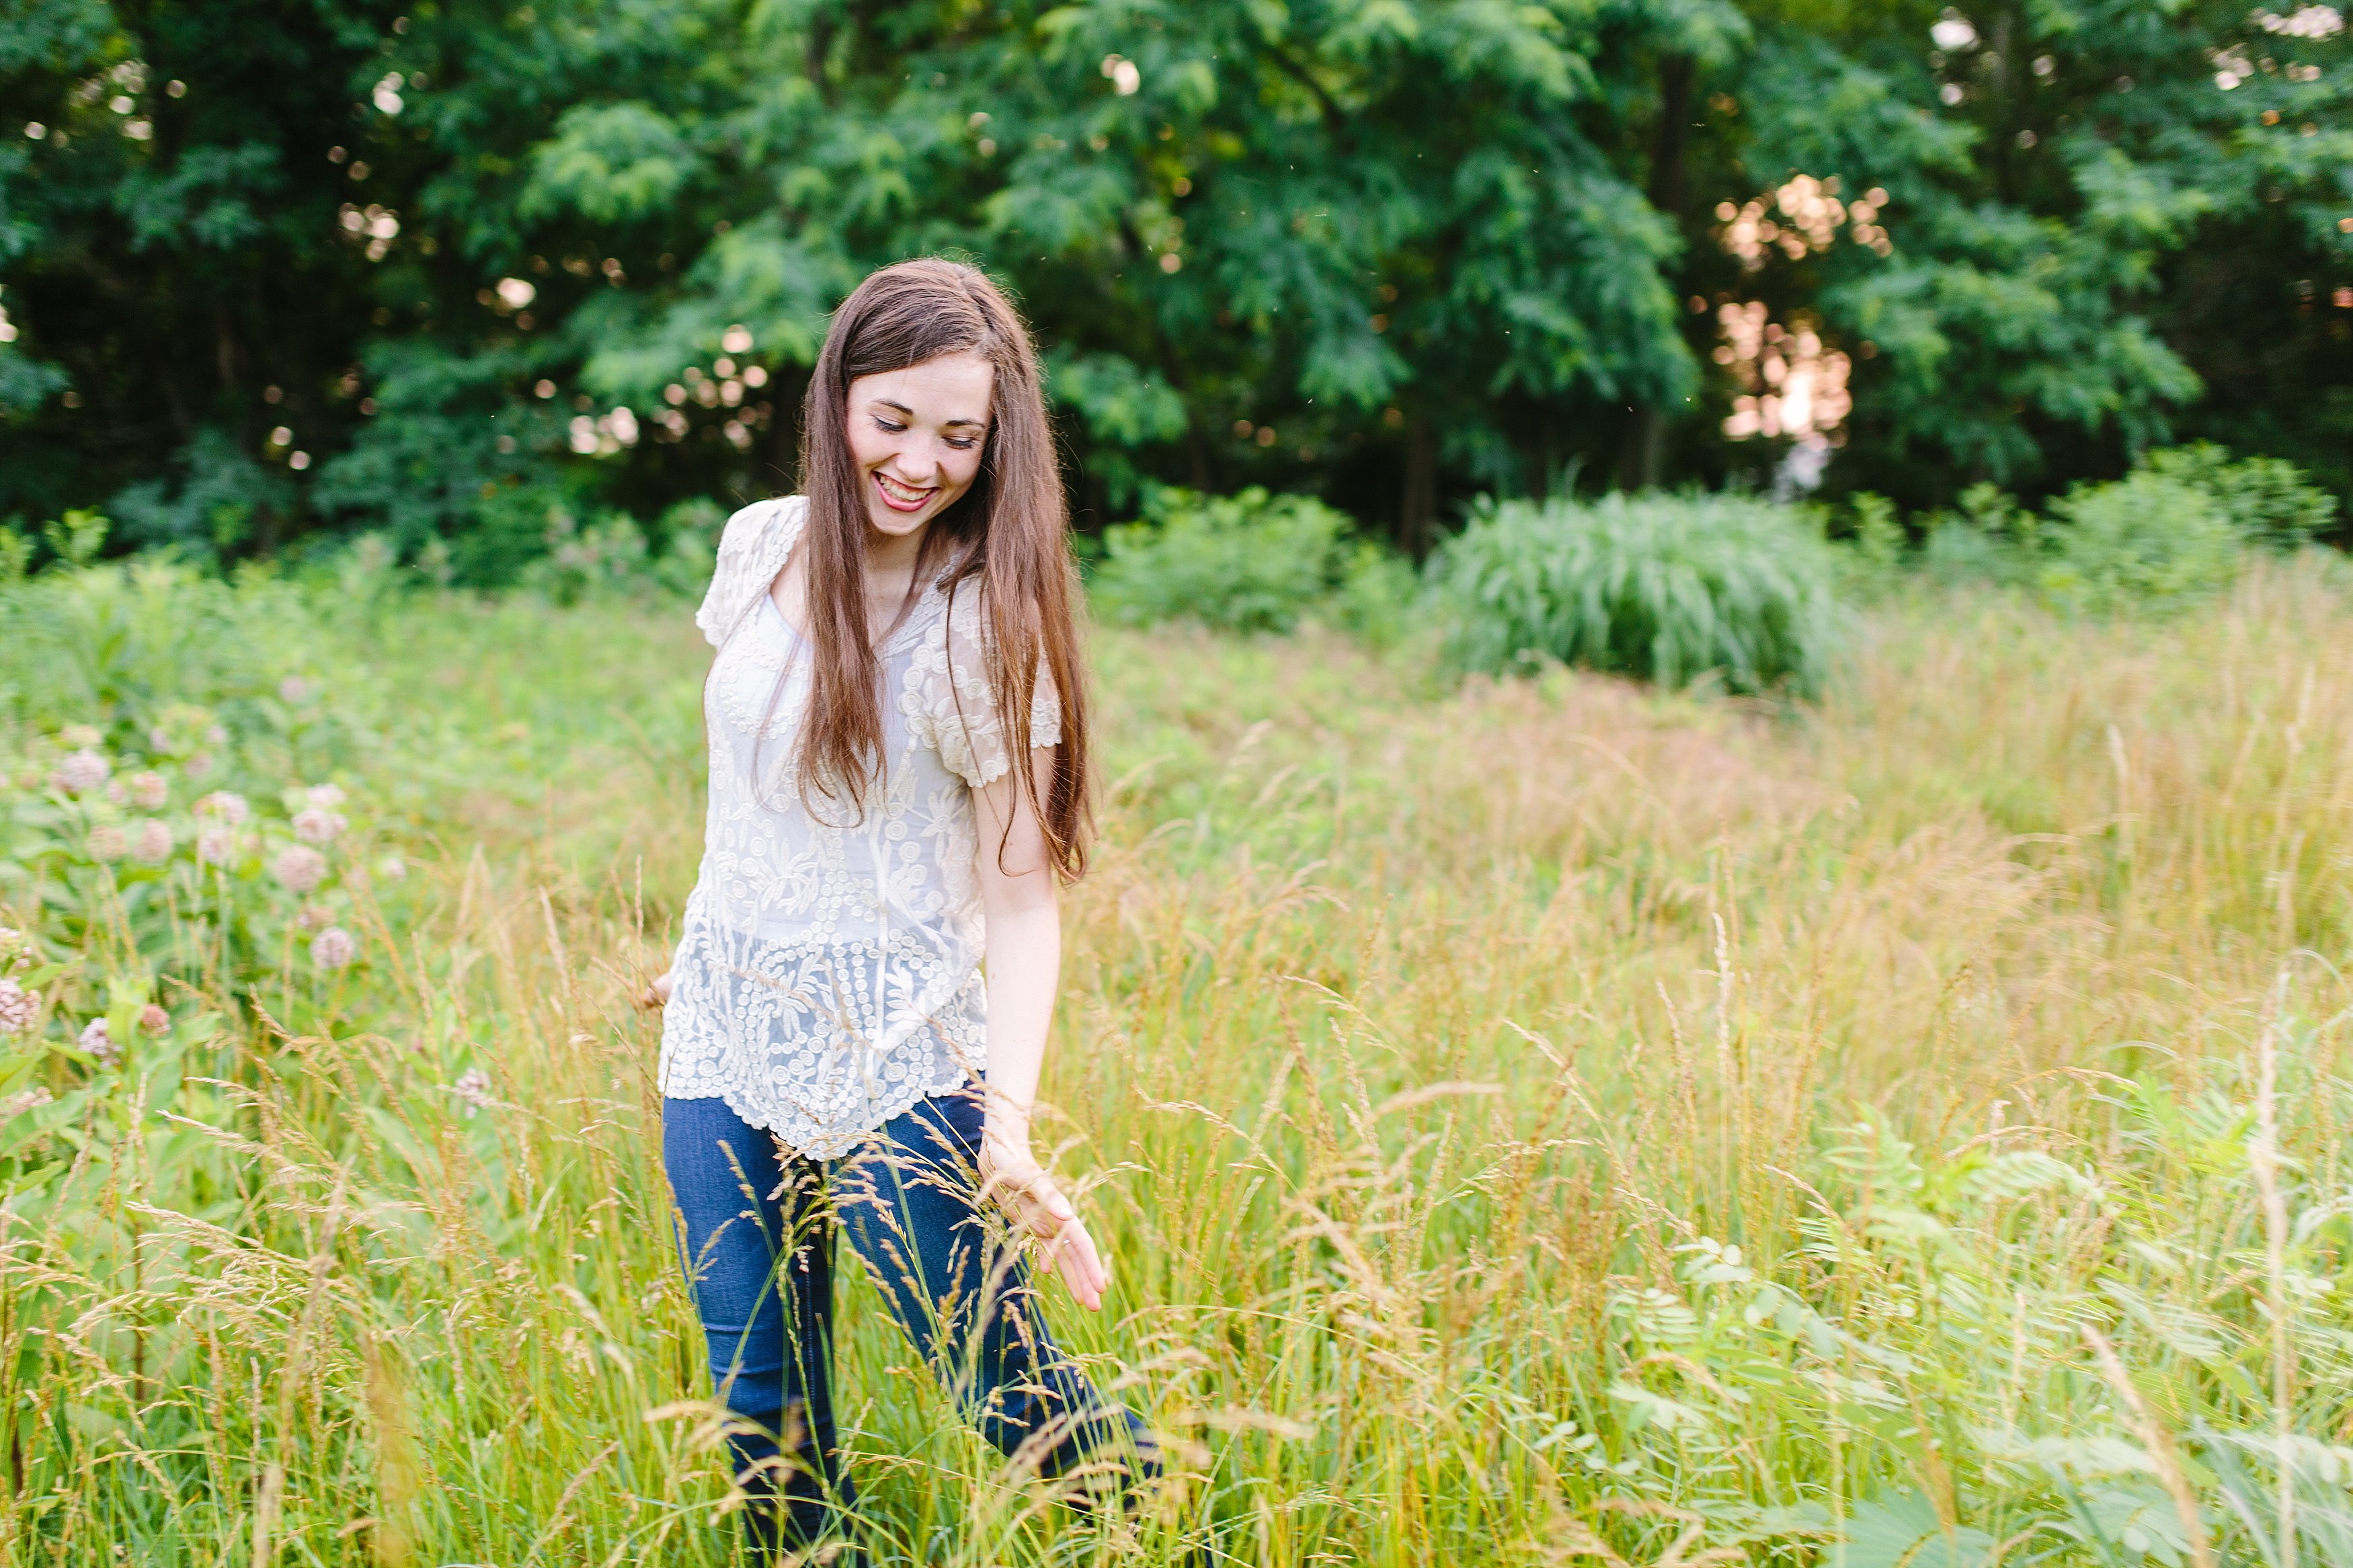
(475, 276)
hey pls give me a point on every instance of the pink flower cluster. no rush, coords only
(18, 1007)
(223, 807)
(99, 1041)
(314, 826)
(334, 948)
(81, 772)
(473, 1087)
(299, 867)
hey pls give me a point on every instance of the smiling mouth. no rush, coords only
(901, 497)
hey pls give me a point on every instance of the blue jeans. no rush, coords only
(757, 1227)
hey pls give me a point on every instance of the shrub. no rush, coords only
(2266, 498)
(2175, 529)
(1247, 562)
(608, 554)
(2147, 539)
(1667, 588)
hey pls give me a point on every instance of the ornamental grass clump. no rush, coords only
(1667, 588)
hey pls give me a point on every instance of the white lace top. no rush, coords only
(828, 976)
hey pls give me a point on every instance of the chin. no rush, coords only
(882, 519)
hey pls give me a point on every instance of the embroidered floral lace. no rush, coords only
(828, 976)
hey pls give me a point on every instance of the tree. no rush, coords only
(280, 266)
(2079, 197)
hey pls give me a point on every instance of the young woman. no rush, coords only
(855, 1019)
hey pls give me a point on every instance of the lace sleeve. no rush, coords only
(751, 551)
(964, 722)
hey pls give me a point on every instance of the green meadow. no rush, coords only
(1532, 1120)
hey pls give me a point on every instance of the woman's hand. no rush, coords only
(1011, 1177)
(657, 992)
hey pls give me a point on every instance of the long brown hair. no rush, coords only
(1005, 543)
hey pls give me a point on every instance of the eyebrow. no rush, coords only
(888, 403)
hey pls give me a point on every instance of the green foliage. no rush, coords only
(1248, 563)
(78, 537)
(1391, 256)
(2147, 541)
(2174, 530)
(1667, 588)
(2269, 501)
(221, 500)
(1214, 211)
(515, 527)
(2085, 232)
(1878, 536)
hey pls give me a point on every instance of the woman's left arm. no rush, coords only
(1022, 903)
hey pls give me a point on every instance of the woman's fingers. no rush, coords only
(1074, 1250)
(1047, 1213)
(1038, 1208)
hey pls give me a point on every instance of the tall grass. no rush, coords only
(1670, 588)
(1545, 1121)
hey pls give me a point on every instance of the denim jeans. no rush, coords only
(757, 1227)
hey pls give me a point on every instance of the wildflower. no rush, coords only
(294, 688)
(392, 868)
(317, 826)
(216, 736)
(313, 916)
(115, 791)
(82, 737)
(334, 948)
(299, 868)
(80, 772)
(17, 1006)
(198, 766)
(17, 1104)
(215, 844)
(473, 1087)
(224, 805)
(154, 1018)
(153, 844)
(148, 792)
(108, 843)
(159, 740)
(325, 796)
(13, 944)
(99, 1041)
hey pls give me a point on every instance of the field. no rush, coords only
(1531, 1122)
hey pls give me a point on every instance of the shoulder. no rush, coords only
(751, 550)
(955, 689)
(755, 525)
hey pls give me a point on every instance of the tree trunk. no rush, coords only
(1642, 462)
(1418, 511)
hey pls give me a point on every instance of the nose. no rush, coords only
(917, 462)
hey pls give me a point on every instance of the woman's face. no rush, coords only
(916, 436)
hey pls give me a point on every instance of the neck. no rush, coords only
(892, 556)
